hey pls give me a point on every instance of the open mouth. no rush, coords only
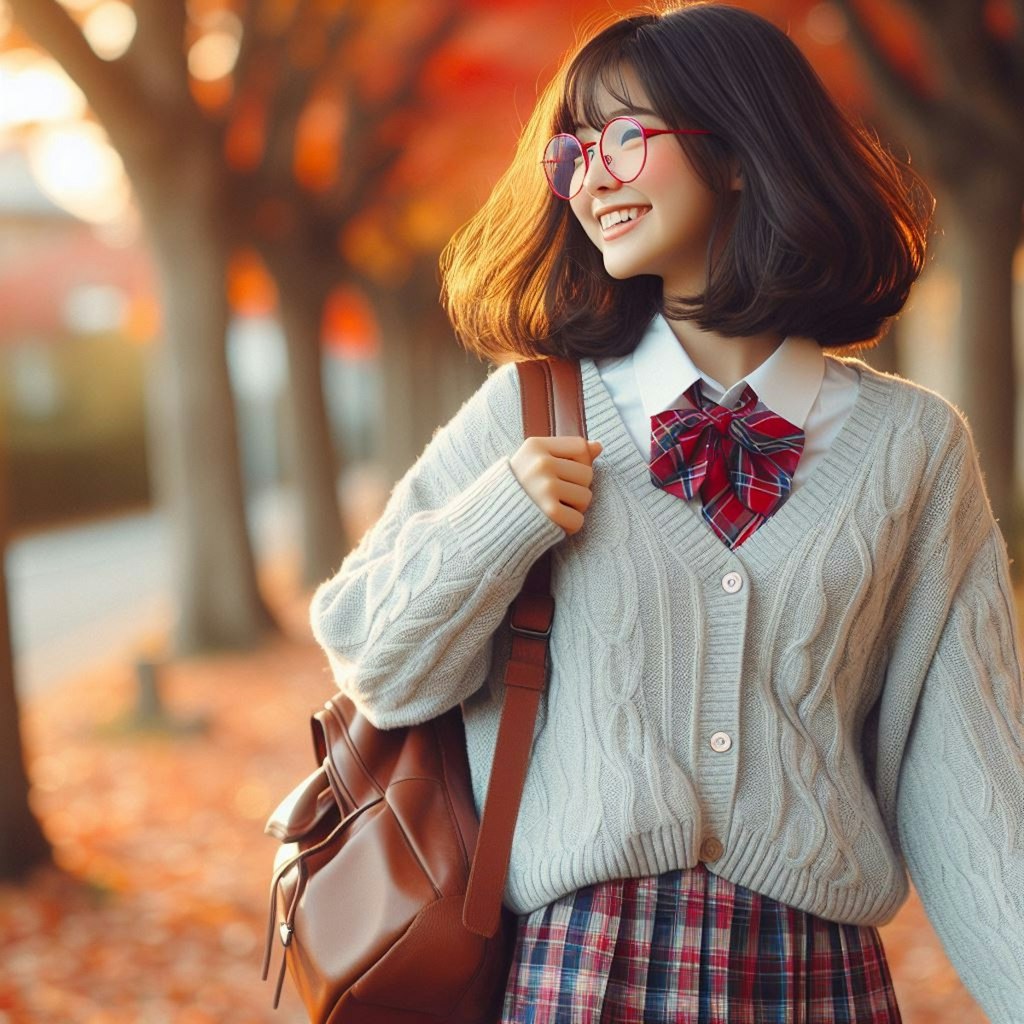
(623, 216)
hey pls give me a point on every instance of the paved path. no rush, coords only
(83, 595)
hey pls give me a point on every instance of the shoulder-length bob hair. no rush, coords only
(824, 240)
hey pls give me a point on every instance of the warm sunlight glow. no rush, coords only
(6, 18)
(95, 308)
(78, 5)
(214, 19)
(36, 89)
(826, 24)
(213, 55)
(78, 169)
(110, 29)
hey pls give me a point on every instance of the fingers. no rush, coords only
(575, 496)
(557, 473)
(578, 449)
(573, 472)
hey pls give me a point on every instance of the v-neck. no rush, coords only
(807, 508)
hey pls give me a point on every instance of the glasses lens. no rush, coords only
(563, 165)
(624, 148)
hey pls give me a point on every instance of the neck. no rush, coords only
(727, 360)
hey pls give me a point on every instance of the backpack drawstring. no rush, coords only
(287, 928)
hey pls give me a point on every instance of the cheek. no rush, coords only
(663, 175)
(674, 188)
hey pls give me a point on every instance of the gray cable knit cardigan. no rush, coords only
(858, 653)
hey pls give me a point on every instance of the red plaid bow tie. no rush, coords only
(741, 461)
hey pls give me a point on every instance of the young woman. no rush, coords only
(784, 669)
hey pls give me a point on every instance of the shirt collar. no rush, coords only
(788, 381)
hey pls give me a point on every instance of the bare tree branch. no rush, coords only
(258, 42)
(251, 43)
(290, 100)
(376, 162)
(918, 116)
(158, 53)
(1015, 48)
(965, 55)
(413, 63)
(108, 86)
(1018, 39)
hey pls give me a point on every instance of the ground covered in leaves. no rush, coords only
(155, 910)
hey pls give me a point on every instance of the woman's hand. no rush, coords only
(557, 472)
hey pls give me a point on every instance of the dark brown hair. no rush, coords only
(824, 240)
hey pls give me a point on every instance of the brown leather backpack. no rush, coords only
(386, 891)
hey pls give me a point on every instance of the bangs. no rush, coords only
(597, 78)
(597, 68)
(605, 78)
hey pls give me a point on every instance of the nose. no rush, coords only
(598, 178)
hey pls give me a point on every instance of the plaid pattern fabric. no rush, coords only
(689, 947)
(740, 461)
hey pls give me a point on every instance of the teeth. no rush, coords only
(609, 220)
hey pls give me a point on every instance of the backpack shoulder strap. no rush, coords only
(552, 400)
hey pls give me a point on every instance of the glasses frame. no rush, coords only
(647, 133)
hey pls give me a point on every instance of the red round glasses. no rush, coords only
(623, 149)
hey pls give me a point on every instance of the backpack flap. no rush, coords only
(302, 809)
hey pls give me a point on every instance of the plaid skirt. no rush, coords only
(689, 947)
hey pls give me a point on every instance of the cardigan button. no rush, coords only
(721, 741)
(711, 849)
(731, 582)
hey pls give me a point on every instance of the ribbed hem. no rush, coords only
(549, 877)
(749, 860)
(756, 862)
(499, 525)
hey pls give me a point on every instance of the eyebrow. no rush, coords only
(620, 112)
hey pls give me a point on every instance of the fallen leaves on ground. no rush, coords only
(155, 910)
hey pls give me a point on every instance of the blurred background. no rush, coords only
(221, 344)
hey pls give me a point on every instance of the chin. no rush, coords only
(623, 270)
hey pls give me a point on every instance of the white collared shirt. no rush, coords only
(796, 381)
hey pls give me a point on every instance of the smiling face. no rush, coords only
(660, 222)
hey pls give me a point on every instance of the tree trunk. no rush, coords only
(984, 225)
(198, 468)
(967, 140)
(174, 157)
(425, 374)
(302, 295)
(22, 843)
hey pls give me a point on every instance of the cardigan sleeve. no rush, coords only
(407, 621)
(960, 802)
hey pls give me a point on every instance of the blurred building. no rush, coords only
(76, 310)
(78, 321)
